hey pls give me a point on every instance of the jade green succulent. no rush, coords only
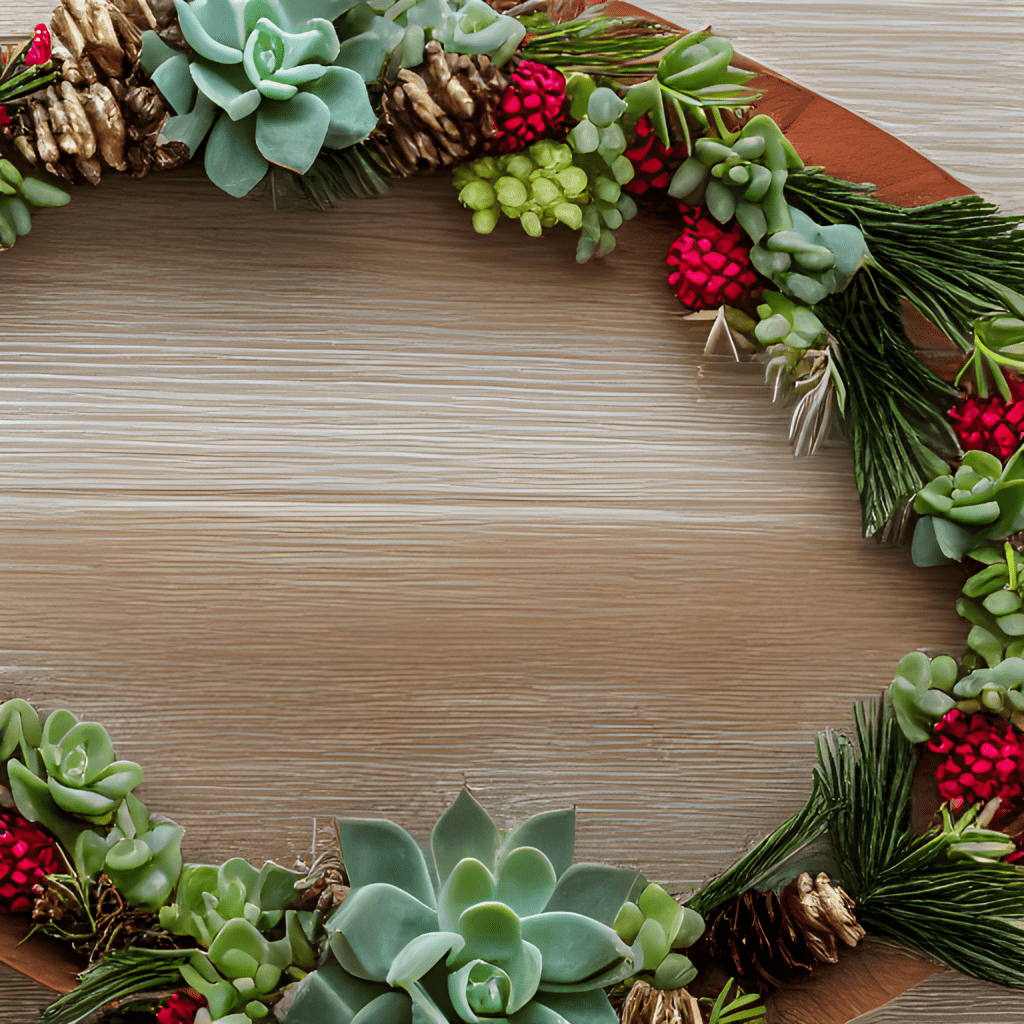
(656, 926)
(921, 693)
(810, 261)
(140, 856)
(961, 512)
(264, 77)
(209, 897)
(373, 30)
(73, 775)
(998, 690)
(994, 605)
(17, 197)
(483, 927)
(785, 322)
(243, 971)
(744, 176)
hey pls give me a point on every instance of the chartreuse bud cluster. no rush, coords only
(961, 512)
(657, 926)
(482, 927)
(17, 196)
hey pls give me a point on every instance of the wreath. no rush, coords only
(555, 116)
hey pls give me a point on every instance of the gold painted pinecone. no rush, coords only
(438, 114)
(646, 1004)
(105, 112)
(765, 941)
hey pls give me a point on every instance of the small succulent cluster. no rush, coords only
(960, 512)
(992, 602)
(743, 176)
(532, 108)
(27, 856)
(653, 161)
(992, 424)
(784, 322)
(708, 265)
(984, 759)
(17, 197)
(485, 926)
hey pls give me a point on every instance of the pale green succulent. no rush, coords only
(264, 77)
(921, 693)
(785, 322)
(373, 29)
(140, 856)
(71, 776)
(657, 926)
(209, 897)
(487, 927)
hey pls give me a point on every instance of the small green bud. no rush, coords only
(511, 192)
(607, 189)
(486, 167)
(573, 180)
(519, 166)
(485, 221)
(569, 214)
(585, 137)
(545, 192)
(531, 224)
(478, 195)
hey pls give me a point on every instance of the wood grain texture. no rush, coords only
(331, 514)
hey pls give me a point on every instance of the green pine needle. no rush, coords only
(339, 174)
(119, 977)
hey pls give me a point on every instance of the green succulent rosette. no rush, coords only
(374, 29)
(964, 511)
(71, 777)
(485, 927)
(263, 82)
(994, 605)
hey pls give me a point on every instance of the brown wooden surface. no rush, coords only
(331, 514)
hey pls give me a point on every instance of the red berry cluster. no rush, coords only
(532, 108)
(653, 162)
(181, 1008)
(709, 265)
(991, 424)
(27, 856)
(39, 51)
(984, 759)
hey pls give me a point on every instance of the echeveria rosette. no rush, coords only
(488, 928)
(963, 511)
(74, 777)
(268, 67)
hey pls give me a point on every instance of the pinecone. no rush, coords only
(653, 162)
(27, 856)
(991, 424)
(646, 1004)
(711, 266)
(439, 114)
(766, 941)
(533, 107)
(984, 759)
(106, 112)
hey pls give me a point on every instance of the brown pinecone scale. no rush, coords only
(766, 940)
(438, 114)
(104, 112)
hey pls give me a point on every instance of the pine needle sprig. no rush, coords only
(126, 976)
(868, 792)
(894, 402)
(339, 174)
(800, 831)
(952, 260)
(595, 44)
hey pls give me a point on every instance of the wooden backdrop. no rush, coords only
(332, 514)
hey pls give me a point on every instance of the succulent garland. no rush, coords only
(579, 124)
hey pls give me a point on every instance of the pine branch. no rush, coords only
(895, 403)
(950, 259)
(339, 174)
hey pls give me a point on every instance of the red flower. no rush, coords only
(39, 51)
(181, 1008)
(653, 163)
(27, 856)
(991, 424)
(532, 107)
(5, 118)
(711, 265)
(985, 760)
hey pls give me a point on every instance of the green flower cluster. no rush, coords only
(963, 511)
(17, 196)
(539, 187)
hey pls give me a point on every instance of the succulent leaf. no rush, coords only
(464, 830)
(381, 851)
